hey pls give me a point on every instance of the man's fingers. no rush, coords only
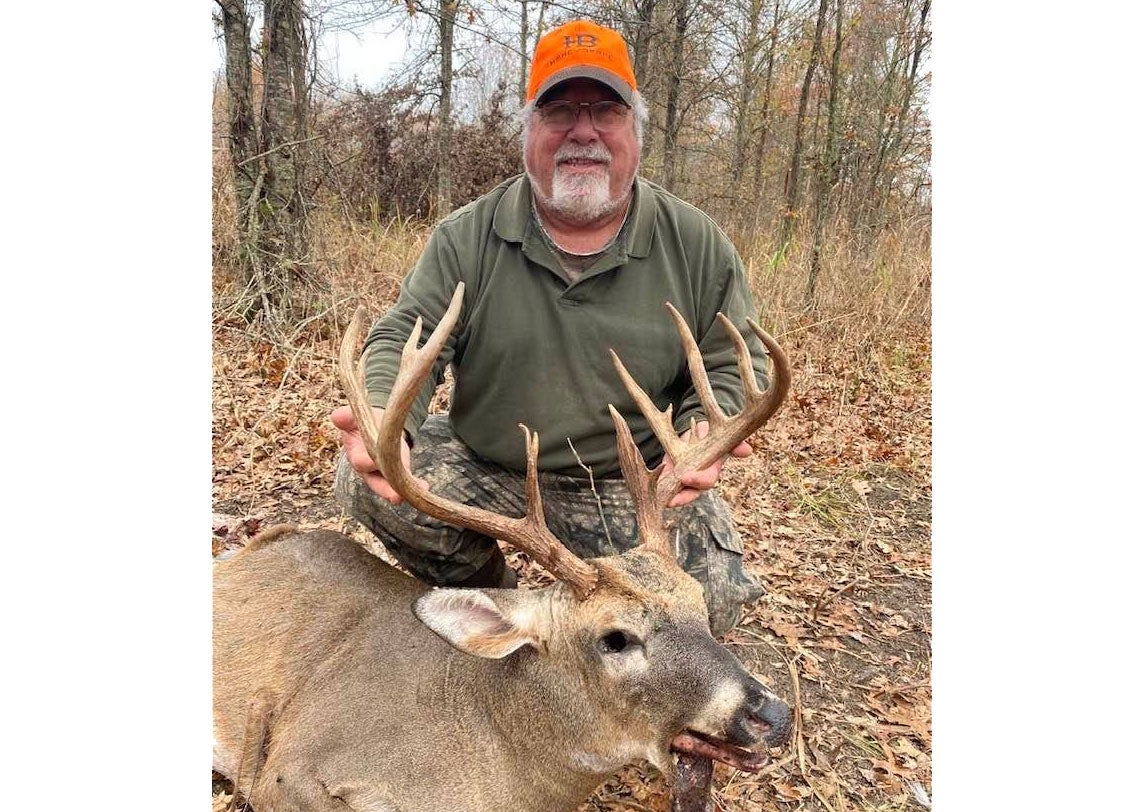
(377, 483)
(684, 497)
(704, 479)
(357, 456)
(742, 450)
(380, 486)
(343, 419)
(360, 459)
(701, 480)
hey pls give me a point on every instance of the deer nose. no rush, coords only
(772, 718)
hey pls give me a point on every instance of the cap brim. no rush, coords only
(621, 88)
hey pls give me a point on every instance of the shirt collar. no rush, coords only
(514, 210)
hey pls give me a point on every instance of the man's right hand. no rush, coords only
(357, 456)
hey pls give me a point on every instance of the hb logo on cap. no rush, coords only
(581, 41)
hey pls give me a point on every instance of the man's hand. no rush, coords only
(698, 481)
(360, 460)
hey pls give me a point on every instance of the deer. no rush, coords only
(341, 683)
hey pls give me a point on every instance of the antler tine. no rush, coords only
(528, 533)
(660, 422)
(729, 431)
(351, 378)
(538, 541)
(641, 483)
(532, 482)
(698, 376)
(725, 432)
(745, 361)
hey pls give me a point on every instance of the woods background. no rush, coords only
(799, 126)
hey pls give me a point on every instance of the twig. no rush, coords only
(863, 546)
(805, 327)
(899, 689)
(796, 699)
(279, 147)
(825, 598)
(595, 493)
(800, 739)
(333, 307)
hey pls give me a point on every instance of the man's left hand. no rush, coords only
(696, 482)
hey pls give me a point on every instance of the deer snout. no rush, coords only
(765, 718)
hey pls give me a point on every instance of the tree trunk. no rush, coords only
(242, 119)
(747, 80)
(540, 22)
(268, 153)
(763, 128)
(670, 130)
(824, 187)
(283, 239)
(523, 84)
(792, 193)
(641, 56)
(641, 52)
(445, 125)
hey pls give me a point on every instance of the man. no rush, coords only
(560, 264)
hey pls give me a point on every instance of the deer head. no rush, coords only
(625, 638)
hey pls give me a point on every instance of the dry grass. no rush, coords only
(873, 295)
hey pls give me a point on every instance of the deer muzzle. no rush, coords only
(759, 722)
(765, 719)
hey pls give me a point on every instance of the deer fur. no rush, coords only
(342, 684)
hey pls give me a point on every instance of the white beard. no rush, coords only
(580, 198)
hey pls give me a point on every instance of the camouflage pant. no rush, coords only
(709, 547)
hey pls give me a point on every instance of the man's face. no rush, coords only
(581, 175)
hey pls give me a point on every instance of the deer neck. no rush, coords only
(550, 727)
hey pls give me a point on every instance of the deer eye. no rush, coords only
(616, 641)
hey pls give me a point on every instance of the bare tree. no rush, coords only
(674, 86)
(824, 187)
(270, 157)
(763, 127)
(446, 17)
(522, 83)
(792, 192)
(895, 133)
(640, 32)
(236, 25)
(747, 79)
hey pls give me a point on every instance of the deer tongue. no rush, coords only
(700, 744)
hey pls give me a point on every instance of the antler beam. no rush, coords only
(653, 490)
(529, 533)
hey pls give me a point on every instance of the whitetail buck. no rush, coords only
(342, 684)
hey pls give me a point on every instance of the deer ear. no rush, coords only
(472, 621)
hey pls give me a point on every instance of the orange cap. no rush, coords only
(581, 49)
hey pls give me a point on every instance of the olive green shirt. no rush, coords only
(531, 348)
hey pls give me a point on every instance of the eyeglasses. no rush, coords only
(562, 115)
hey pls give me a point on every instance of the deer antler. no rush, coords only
(528, 533)
(652, 490)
